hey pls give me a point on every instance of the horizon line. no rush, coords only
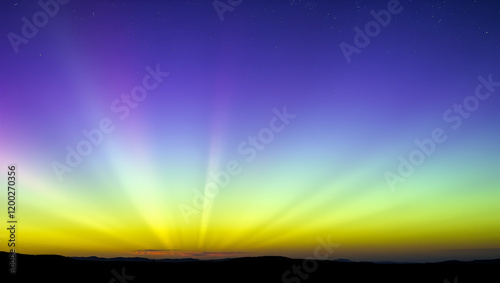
(340, 260)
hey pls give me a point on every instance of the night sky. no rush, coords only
(246, 128)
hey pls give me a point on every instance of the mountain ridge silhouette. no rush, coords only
(56, 268)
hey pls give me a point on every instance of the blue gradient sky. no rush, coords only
(322, 175)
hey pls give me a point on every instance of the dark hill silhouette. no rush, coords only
(53, 268)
